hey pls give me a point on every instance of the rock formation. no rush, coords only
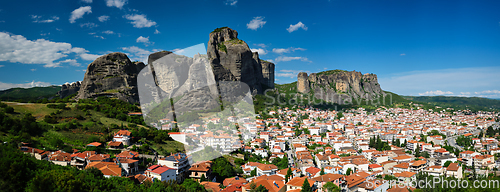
(69, 89)
(339, 86)
(232, 60)
(111, 75)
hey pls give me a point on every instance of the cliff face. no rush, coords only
(232, 60)
(69, 89)
(111, 75)
(340, 86)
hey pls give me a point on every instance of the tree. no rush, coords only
(331, 187)
(306, 187)
(253, 173)
(261, 188)
(288, 174)
(398, 143)
(348, 172)
(417, 151)
(192, 185)
(203, 178)
(322, 172)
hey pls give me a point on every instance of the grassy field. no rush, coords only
(38, 110)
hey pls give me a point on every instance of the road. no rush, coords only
(451, 140)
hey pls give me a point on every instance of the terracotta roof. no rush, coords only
(404, 174)
(234, 180)
(298, 182)
(107, 168)
(211, 185)
(327, 177)
(353, 180)
(95, 144)
(123, 132)
(453, 167)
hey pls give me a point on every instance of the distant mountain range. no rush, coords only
(473, 103)
(28, 94)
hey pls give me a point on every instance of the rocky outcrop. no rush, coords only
(232, 60)
(111, 75)
(340, 86)
(302, 83)
(68, 89)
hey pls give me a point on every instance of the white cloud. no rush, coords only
(98, 36)
(460, 81)
(137, 54)
(260, 51)
(71, 62)
(2, 66)
(437, 92)
(231, 2)
(116, 3)
(78, 13)
(142, 39)
(18, 49)
(33, 70)
(289, 73)
(87, 1)
(140, 21)
(256, 22)
(402, 54)
(103, 18)
(4, 86)
(157, 32)
(261, 45)
(89, 25)
(287, 50)
(283, 58)
(38, 19)
(109, 32)
(297, 26)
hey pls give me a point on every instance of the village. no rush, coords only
(349, 149)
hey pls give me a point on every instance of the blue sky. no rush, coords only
(415, 47)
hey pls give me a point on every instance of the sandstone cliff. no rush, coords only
(339, 86)
(111, 75)
(232, 60)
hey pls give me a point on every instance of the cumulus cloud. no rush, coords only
(144, 40)
(297, 26)
(38, 19)
(287, 50)
(18, 49)
(260, 51)
(437, 92)
(284, 58)
(87, 1)
(78, 13)
(71, 62)
(231, 2)
(402, 54)
(256, 22)
(157, 32)
(289, 73)
(89, 25)
(103, 18)
(4, 86)
(116, 3)
(140, 21)
(2, 66)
